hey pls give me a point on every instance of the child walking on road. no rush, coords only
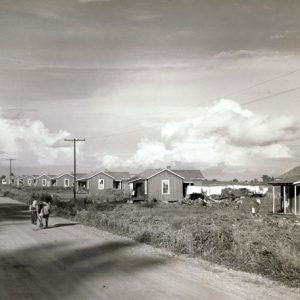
(40, 206)
(33, 212)
(46, 212)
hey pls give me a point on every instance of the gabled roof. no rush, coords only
(190, 175)
(291, 173)
(119, 175)
(61, 175)
(290, 177)
(39, 176)
(286, 180)
(31, 176)
(145, 174)
(80, 175)
(186, 175)
(113, 175)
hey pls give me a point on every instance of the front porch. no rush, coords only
(288, 196)
(139, 190)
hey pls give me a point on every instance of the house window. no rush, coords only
(44, 182)
(29, 181)
(67, 182)
(117, 185)
(101, 184)
(166, 187)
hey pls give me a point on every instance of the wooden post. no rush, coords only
(273, 199)
(284, 199)
(295, 199)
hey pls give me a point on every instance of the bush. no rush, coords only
(108, 195)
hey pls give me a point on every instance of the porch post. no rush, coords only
(284, 199)
(273, 199)
(295, 199)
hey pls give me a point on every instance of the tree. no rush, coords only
(235, 180)
(267, 179)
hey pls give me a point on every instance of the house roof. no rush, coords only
(113, 175)
(61, 175)
(190, 175)
(119, 175)
(290, 177)
(286, 180)
(145, 174)
(186, 175)
(80, 175)
(30, 176)
(291, 173)
(39, 176)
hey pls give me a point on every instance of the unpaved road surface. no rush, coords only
(71, 261)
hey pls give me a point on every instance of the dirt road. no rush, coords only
(71, 261)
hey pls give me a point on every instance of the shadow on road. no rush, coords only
(14, 212)
(62, 225)
(56, 271)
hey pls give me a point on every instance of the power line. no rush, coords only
(261, 83)
(74, 141)
(273, 95)
(118, 133)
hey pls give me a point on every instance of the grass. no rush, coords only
(268, 245)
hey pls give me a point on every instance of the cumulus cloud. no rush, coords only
(31, 142)
(223, 133)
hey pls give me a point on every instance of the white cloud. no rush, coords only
(224, 132)
(31, 142)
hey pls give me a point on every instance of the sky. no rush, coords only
(210, 85)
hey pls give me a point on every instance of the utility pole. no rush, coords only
(10, 160)
(75, 178)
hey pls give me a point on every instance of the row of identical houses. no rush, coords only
(165, 185)
(160, 184)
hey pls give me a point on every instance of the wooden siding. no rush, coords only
(93, 183)
(40, 180)
(60, 182)
(25, 181)
(155, 187)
